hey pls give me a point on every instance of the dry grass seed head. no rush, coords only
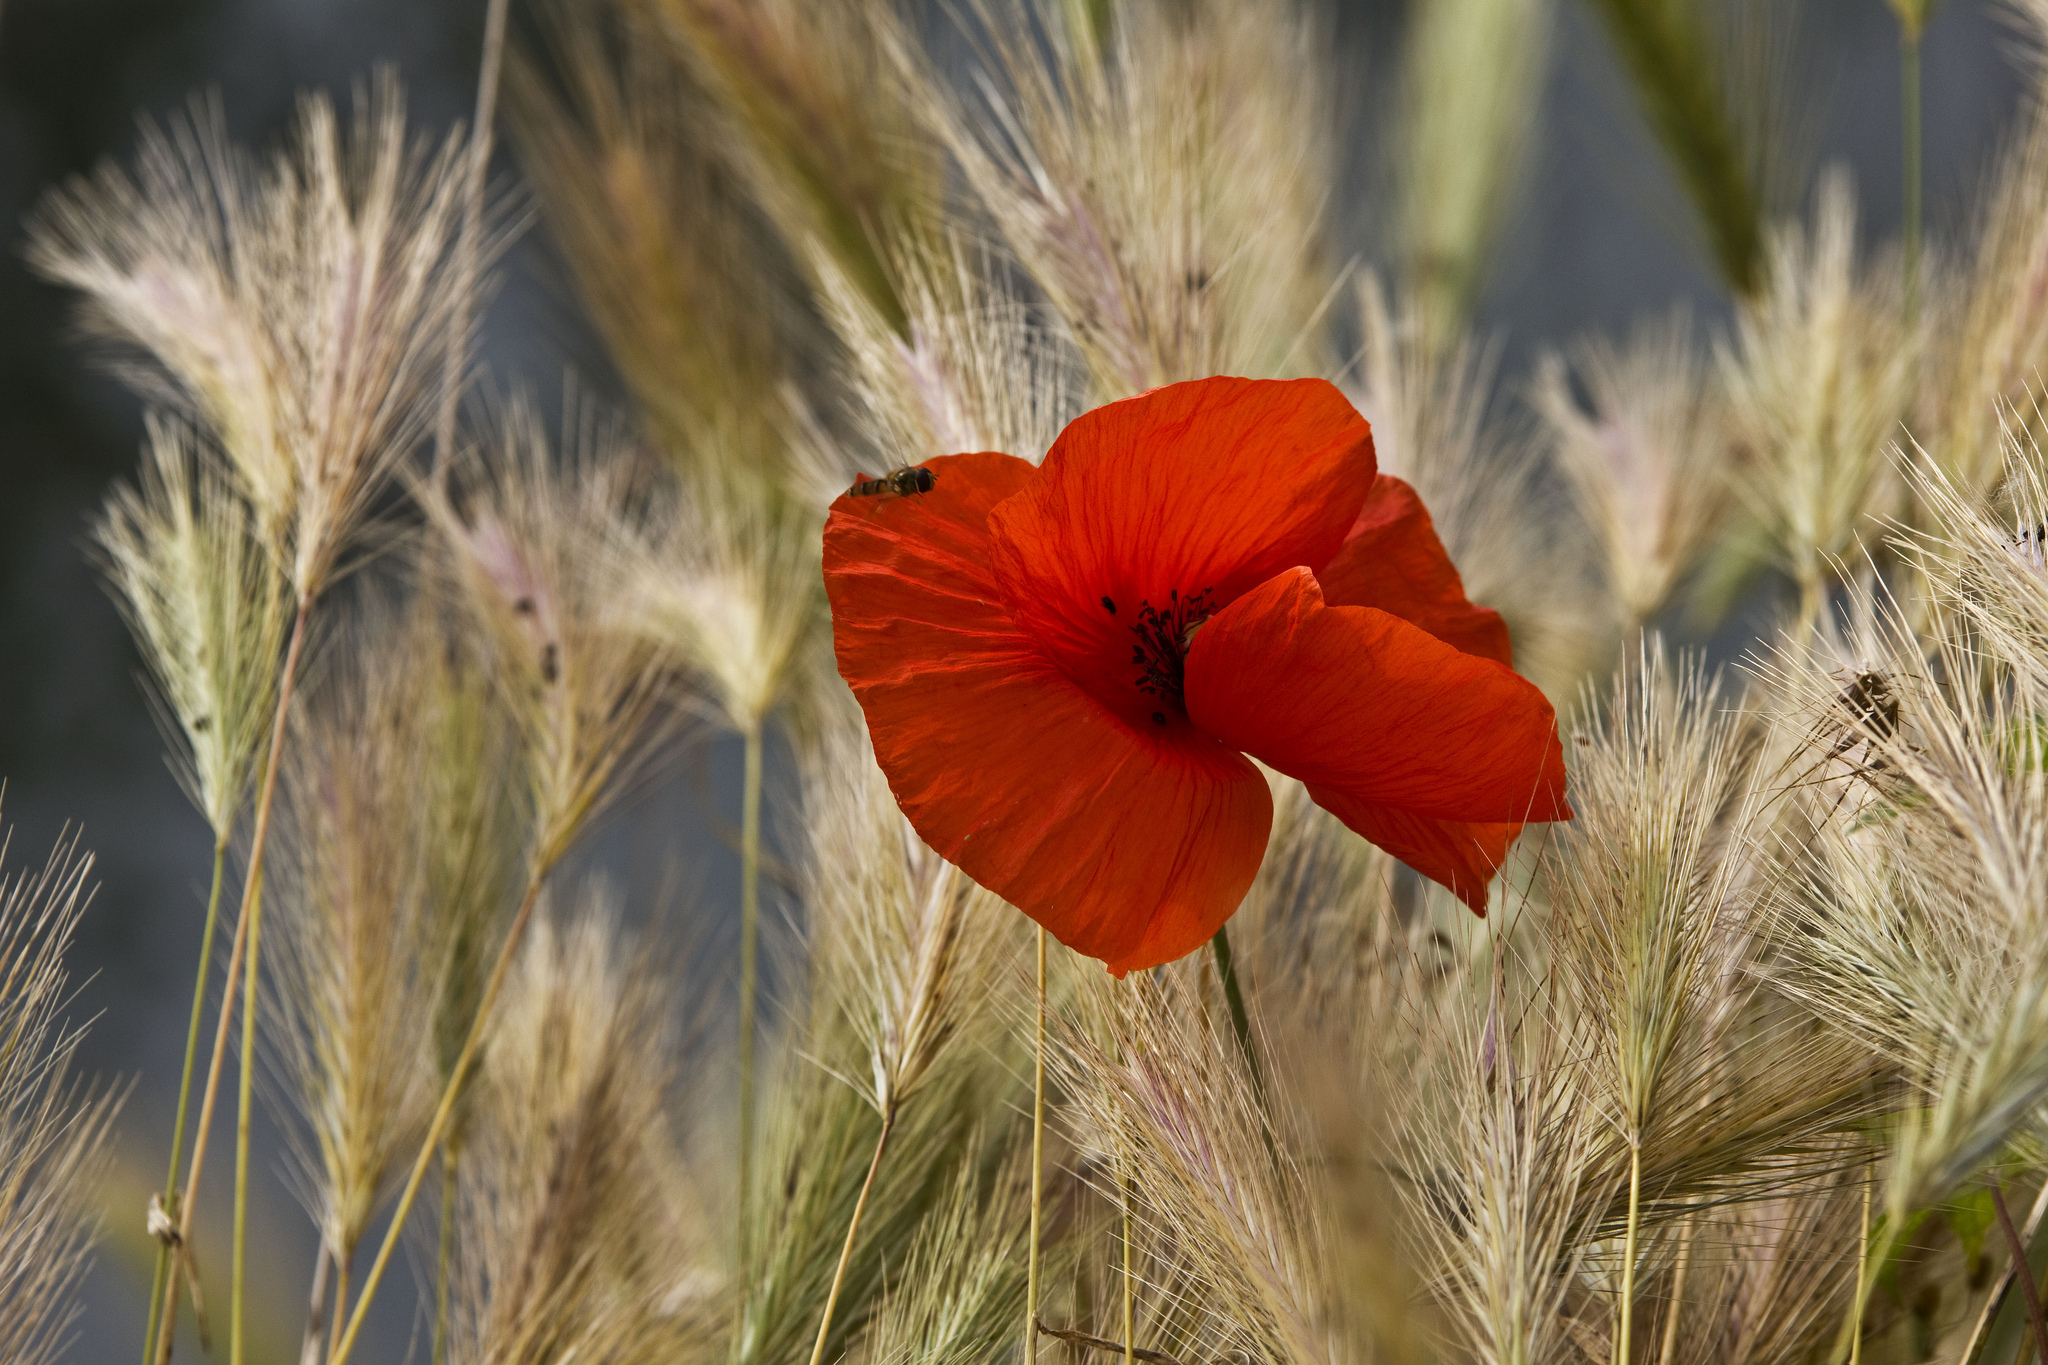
(730, 587)
(1913, 922)
(53, 1132)
(918, 946)
(821, 123)
(546, 551)
(1494, 505)
(571, 1247)
(1647, 463)
(668, 249)
(1988, 323)
(1162, 182)
(971, 370)
(1655, 951)
(907, 996)
(1160, 1100)
(959, 1294)
(1819, 376)
(1498, 1151)
(301, 308)
(354, 975)
(206, 606)
(1767, 1281)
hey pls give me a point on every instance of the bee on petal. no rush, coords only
(902, 482)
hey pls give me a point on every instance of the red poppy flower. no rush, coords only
(1063, 667)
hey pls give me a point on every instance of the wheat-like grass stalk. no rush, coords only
(53, 1131)
(573, 1246)
(1162, 181)
(1648, 463)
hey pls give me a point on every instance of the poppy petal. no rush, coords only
(1128, 845)
(1191, 493)
(1393, 560)
(1456, 854)
(1361, 702)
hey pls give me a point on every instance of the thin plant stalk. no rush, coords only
(443, 1114)
(1130, 1284)
(1996, 1296)
(1866, 1280)
(163, 1254)
(1909, 101)
(750, 947)
(252, 906)
(468, 244)
(1628, 1254)
(449, 1159)
(860, 1206)
(1037, 1169)
(342, 1263)
(1670, 1344)
(1862, 1269)
(2019, 1256)
(316, 1308)
(245, 1084)
(1241, 1026)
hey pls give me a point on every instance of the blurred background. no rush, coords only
(1595, 241)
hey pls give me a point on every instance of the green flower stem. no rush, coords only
(163, 1252)
(750, 947)
(1240, 1022)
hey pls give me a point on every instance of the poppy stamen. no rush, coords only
(1162, 649)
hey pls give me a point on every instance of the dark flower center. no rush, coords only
(1161, 652)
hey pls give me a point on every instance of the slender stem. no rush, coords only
(1909, 101)
(750, 940)
(853, 1226)
(1130, 1283)
(156, 1300)
(438, 1129)
(450, 1158)
(1996, 1297)
(1877, 1247)
(342, 1264)
(163, 1254)
(2019, 1256)
(1240, 1022)
(1241, 1025)
(316, 1308)
(1862, 1270)
(1037, 1170)
(469, 244)
(252, 905)
(1628, 1254)
(251, 974)
(1669, 1347)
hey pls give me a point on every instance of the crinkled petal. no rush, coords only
(1393, 560)
(1455, 854)
(1209, 487)
(1129, 845)
(1363, 703)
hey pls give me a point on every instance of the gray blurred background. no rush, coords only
(1591, 247)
